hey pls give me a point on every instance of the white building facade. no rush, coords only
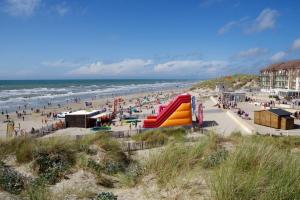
(282, 79)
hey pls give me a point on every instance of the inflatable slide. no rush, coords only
(177, 113)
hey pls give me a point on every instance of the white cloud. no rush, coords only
(61, 63)
(62, 9)
(190, 67)
(230, 25)
(251, 52)
(144, 67)
(296, 44)
(21, 7)
(124, 67)
(227, 27)
(278, 56)
(208, 3)
(266, 20)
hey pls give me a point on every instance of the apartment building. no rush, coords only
(281, 78)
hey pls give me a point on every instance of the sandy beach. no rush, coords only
(40, 119)
(222, 121)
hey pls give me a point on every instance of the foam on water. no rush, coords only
(37, 95)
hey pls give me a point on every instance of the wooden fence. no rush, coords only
(45, 130)
(142, 145)
(135, 146)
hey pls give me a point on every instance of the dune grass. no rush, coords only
(177, 159)
(131, 175)
(37, 190)
(25, 148)
(52, 158)
(235, 81)
(161, 136)
(10, 146)
(257, 169)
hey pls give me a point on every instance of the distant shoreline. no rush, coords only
(37, 95)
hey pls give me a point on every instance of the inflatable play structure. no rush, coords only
(177, 113)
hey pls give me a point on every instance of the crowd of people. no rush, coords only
(232, 105)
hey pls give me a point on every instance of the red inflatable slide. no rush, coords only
(177, 113)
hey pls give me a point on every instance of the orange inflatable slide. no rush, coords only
(176, 113)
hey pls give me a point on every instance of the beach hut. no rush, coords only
(274, 118)
(81, 119)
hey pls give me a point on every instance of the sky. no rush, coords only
(188, 39)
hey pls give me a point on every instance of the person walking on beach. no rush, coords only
(23, 118)
(135, 124)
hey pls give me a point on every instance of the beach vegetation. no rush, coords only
(11, 145)
(235, 81)
(132, 175)
(257, 169)
(105, 196)
(161, 136)
(38, 190)
(215, 158)
(175, 160)
(233, 167)
(11, 180)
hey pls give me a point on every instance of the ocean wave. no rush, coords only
(41, 96)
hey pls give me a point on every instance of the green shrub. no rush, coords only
(52, 163)
(115, 156)
(37, 190)
(99, 169)
(216, 158)
(112, 167)
(96, 167)
(132, 175)
(105, 196)
(10, 180)
(107, 166)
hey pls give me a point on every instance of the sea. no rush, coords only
(39, 93)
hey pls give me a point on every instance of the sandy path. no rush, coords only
(224, 125)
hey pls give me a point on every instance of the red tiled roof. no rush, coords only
(293, 64)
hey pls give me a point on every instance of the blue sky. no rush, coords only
(54, 39)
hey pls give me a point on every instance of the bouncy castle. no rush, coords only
(177, 113)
